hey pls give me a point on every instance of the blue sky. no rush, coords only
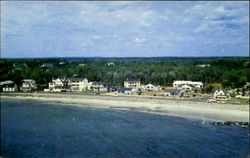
(124, 28)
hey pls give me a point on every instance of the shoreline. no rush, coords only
(198, 110)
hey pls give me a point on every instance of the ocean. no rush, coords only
(44, 130)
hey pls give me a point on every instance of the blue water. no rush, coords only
(35, 130)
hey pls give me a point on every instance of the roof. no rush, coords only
(48, 65)
(153, 84)
(28, 80)
(172, 91)
(6, 82)
(223, 90)
(188, 86)
(186, 82)
(100, 83)
(124, 89)
(115, 87)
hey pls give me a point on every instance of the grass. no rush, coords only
(242, 100)
(216, 85)
(153, 93)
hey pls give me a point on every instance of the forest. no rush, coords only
(231, 72)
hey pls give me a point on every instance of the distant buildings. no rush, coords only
(220, 94)
(82, 65)
(132, 84)
(127, 91)
(247, 85)
(28, 85)
(58, 85)
(179, 84)
(187, 88)
(78, 84)
(152, 87)
(100, 86)
(173, 92)
(8, 86)
(47, 65)
(203, 65)
(110, 63)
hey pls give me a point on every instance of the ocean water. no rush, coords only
(42, 130)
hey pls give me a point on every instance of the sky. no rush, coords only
(124, 28)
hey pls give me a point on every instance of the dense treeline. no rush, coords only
(231, 72)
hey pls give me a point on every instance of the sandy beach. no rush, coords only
(173, 107)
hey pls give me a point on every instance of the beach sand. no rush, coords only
(182, 108)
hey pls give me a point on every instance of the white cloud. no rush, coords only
(215, 16)
(129, 25)
(139, 40)
(96, 37)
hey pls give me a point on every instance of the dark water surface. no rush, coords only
(42, 130)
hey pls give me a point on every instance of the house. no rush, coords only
(127, 91)
(61, 89)
(61, 63)
(28, 85)
(8, 86)
(247, 85)
(187, 88)
(178, 84)
(132, 84)
(113, 89)
(57, 82)
(152, 87)
(89, 86)
(203, 65)
(220, 94)
(110, 63)
(58, 85)
(78, 84)
(100, 86)
(174, 92)
(82, 65)
(47, 65)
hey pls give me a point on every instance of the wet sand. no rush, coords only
(172, 107)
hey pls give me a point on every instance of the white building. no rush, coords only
(100, 86)
(127, 91)
(220, 94)
(152, 87)
(110, 63)
(173, 92)
(28, 85)
(56, 82)
(186, 88)
(132, 84)
(8, 86)
(58, 85)
(78, 84)
(178, 84)
(89, 86)
(47, 65)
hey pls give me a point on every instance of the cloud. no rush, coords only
(139, 40)
(122, 28)
(217, 16)
(96, 37)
